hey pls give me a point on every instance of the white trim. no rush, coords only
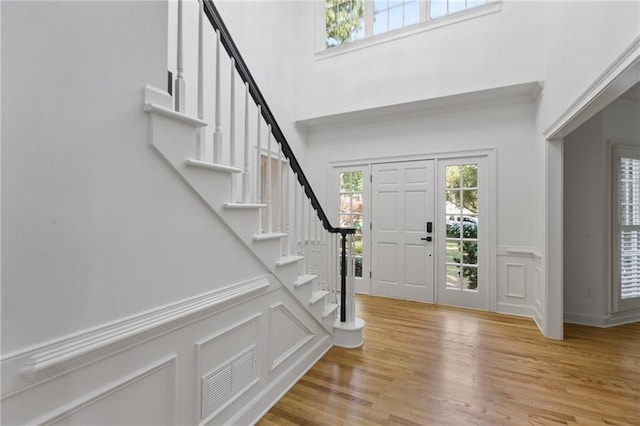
(129, 380)
(275, 362)
(184, 118)
(516, 310)
(322, 52)
(616, 79)
(211, 166)
(603, 321)
(71, 352)
(519, 252)
(524, 94)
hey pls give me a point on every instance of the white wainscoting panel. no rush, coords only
(219, 358)
(287, 334)
(147, 396)
(61, 356)
(516, 280)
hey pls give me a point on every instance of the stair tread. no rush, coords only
(304, 279)
(330, 308)
(269, 236)
(317, 296)
(247, 206)
(212, 166)
(287, 260)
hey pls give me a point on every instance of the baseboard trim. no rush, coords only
(517, 310)
(602, 321)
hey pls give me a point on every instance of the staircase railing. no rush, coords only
(295, 219)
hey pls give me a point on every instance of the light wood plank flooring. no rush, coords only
(424, 364)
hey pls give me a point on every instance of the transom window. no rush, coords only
(349, 20)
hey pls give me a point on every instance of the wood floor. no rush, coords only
(431, 365)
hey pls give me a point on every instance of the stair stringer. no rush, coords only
(173, 137)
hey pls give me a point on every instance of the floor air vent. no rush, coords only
(222, 385)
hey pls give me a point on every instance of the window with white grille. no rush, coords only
(626, 214)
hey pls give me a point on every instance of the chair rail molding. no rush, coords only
(61, 356)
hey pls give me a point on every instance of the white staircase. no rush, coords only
(173, 136)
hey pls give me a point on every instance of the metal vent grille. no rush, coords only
(223, 384)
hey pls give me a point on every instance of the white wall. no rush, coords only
(581, 40)
(95, 225)
(587, 208)
(494, 50)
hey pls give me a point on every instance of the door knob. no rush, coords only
(426, 239)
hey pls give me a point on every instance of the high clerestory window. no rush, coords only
(349, 20)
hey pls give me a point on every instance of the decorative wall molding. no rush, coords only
(279, 354)
(516, 280)
(168, 362)
(66, 354)
(514, 251)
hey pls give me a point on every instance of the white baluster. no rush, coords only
(201, 132)
(217, 136)
(333, 276)
(294, 236)
(245, 173)
(316, 251)
(303, 227)
(232, 116)
(287, 208)
(351, 311)
(179, 89)
(259, 165)
(309, 247)
(280, 193)
(268, 185)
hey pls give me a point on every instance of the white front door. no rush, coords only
(402, 204)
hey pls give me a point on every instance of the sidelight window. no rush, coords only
(462, 227)
(351, 203)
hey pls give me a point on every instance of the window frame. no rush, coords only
(618, 304)
(426, 23)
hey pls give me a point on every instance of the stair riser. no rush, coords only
(267, 250)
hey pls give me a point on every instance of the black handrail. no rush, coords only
(232, 50)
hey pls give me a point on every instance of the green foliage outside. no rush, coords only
(344, 18)
(469, 180)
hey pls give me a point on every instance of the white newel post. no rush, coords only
(179, 89)
(217, 136)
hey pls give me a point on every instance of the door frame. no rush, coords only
(334, 168)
